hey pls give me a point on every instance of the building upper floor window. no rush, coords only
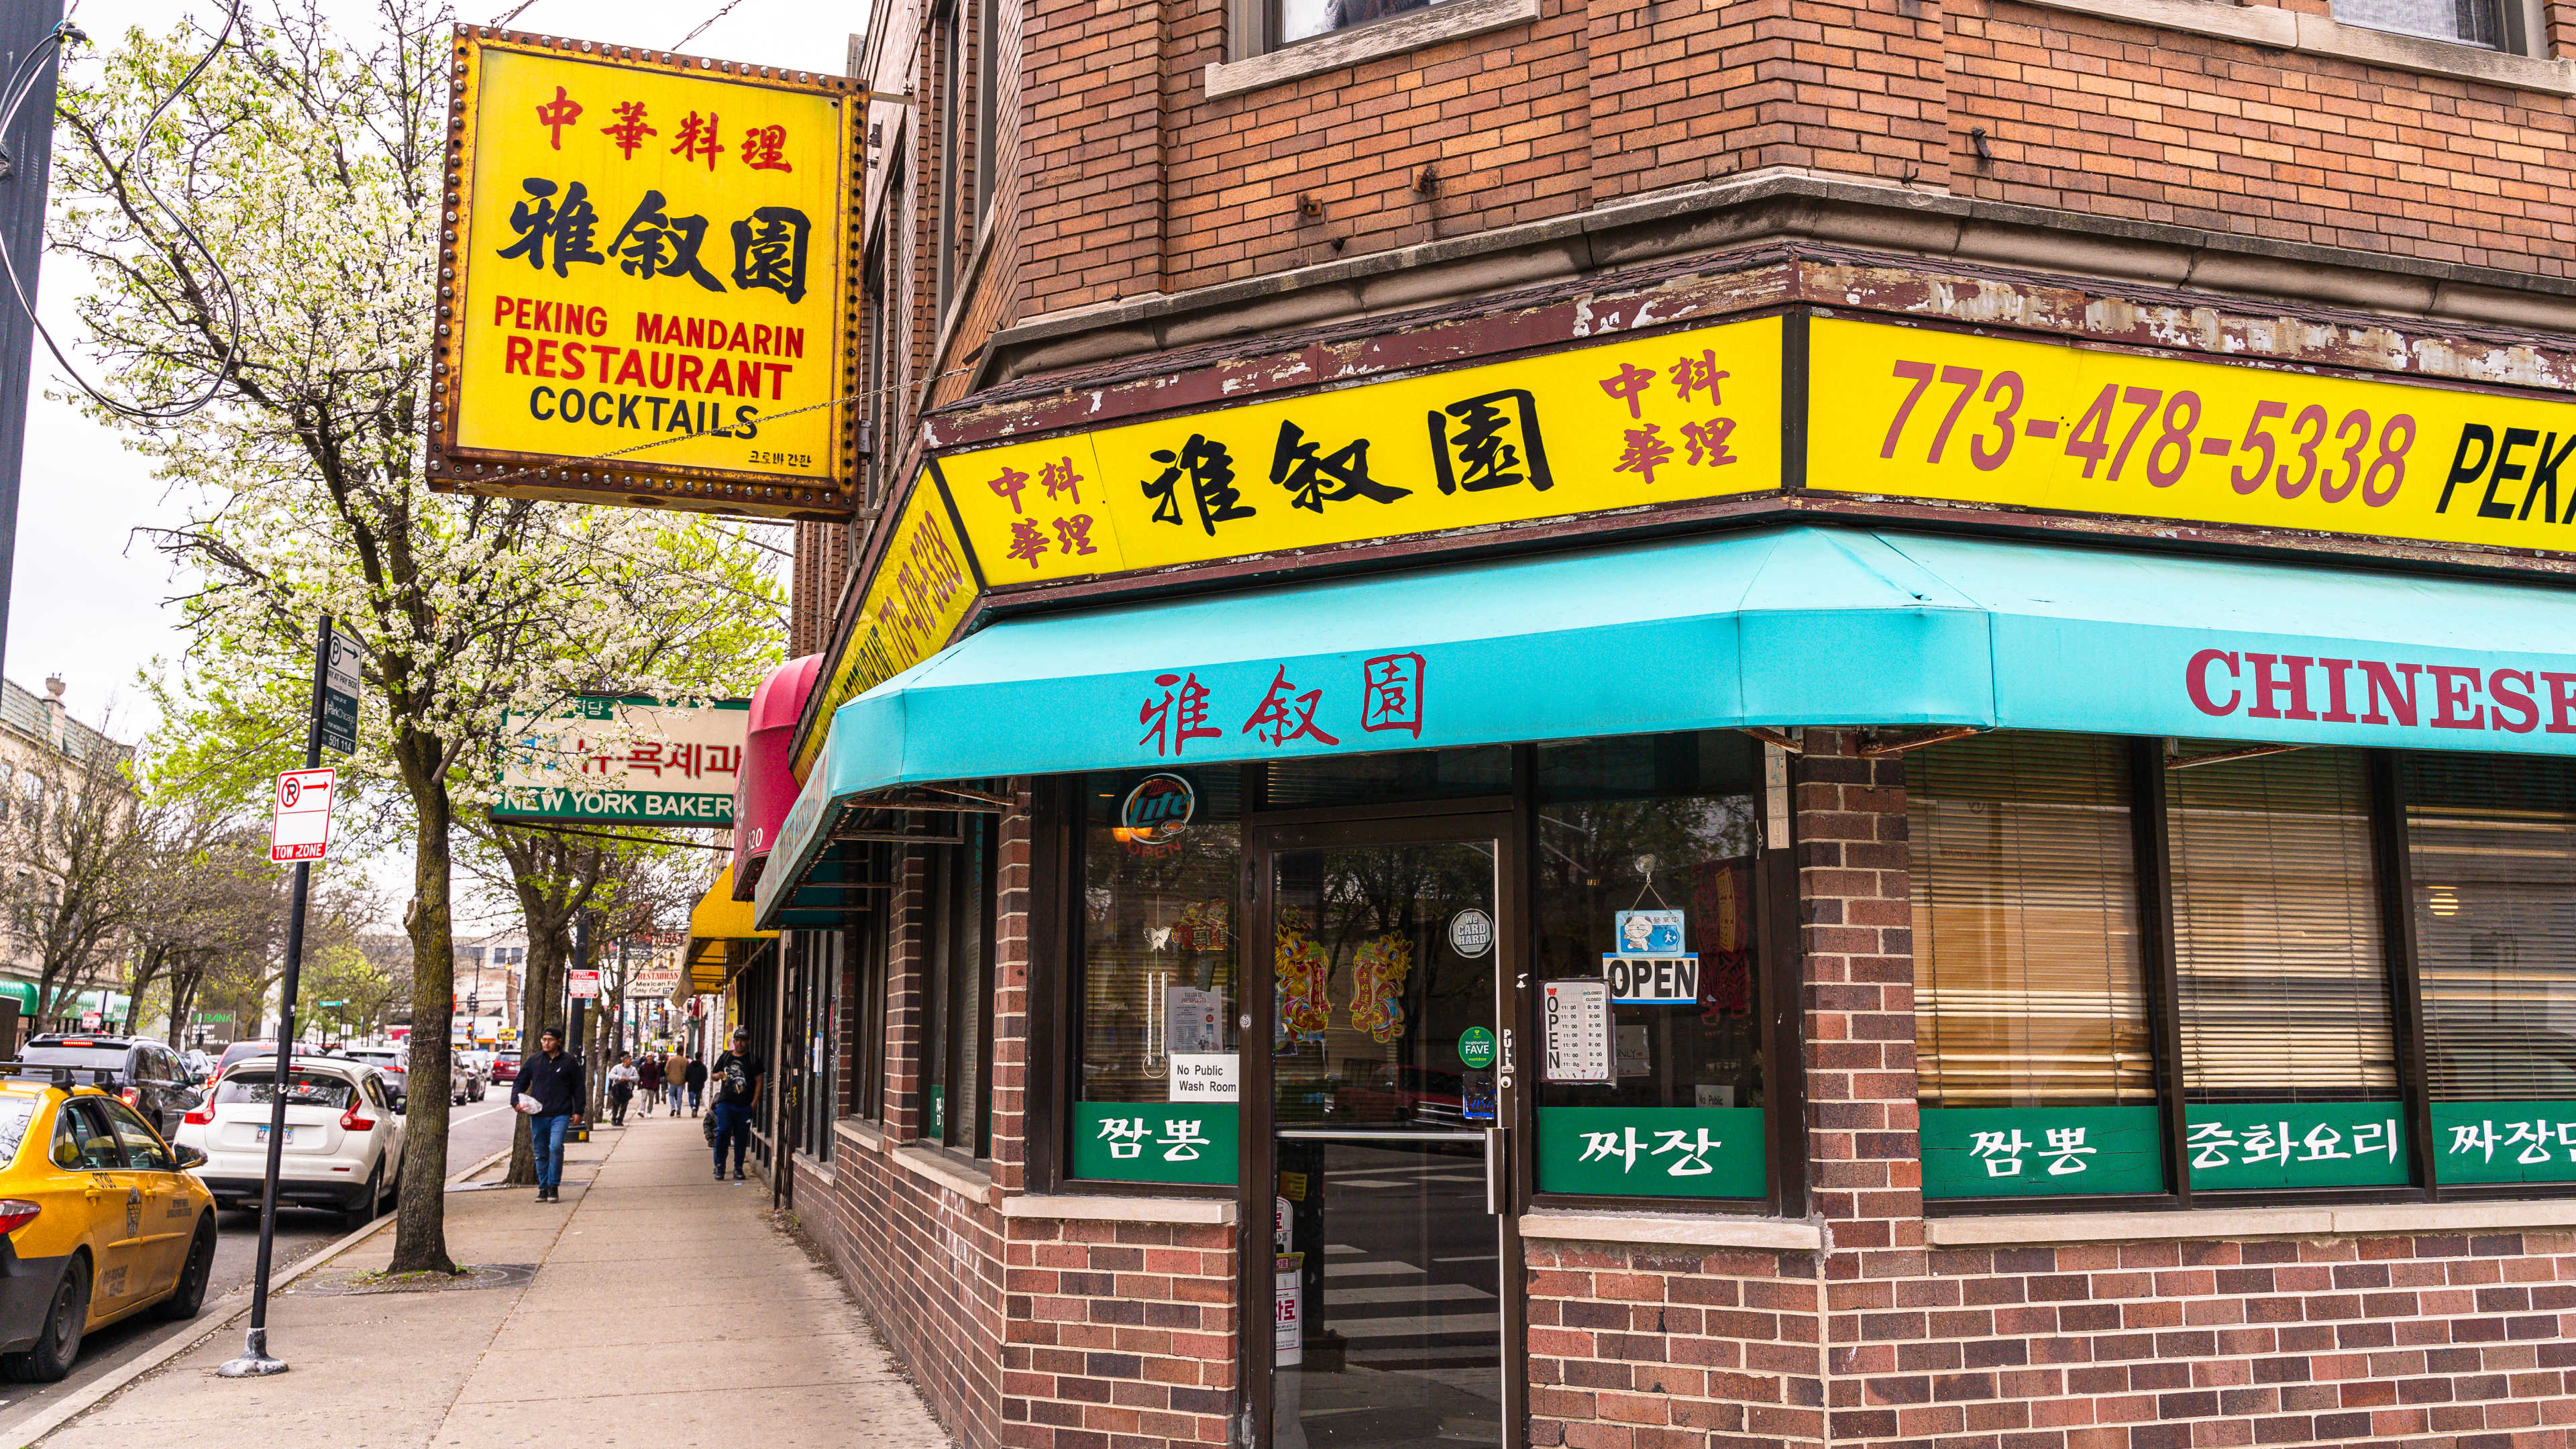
(1305, 19)
(2468, 22)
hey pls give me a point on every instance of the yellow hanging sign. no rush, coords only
(643, 286)
(1621, 424)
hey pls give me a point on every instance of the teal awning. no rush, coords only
(1778, 626)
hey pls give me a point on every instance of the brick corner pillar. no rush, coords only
(1865, 1170)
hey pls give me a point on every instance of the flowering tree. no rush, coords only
(306, 161)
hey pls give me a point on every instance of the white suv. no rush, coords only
(344, 1141)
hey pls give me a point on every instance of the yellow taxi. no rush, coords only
(99, 1220)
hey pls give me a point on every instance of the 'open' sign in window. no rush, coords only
(1652, 980)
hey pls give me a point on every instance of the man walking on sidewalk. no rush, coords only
(648, 1080)
(693, 1075)
(553, 1081)
(737, 1082)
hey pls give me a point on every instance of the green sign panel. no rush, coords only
(2041, 1151)
(2504, 1142)
(1652, 1151)
(1156, 1141)
(2302, 1144)
(1476, 1048)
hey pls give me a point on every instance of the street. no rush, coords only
(475, 1132)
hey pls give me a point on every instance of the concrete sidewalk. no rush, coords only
(664, 1310)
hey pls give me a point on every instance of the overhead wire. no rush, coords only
(22, 84)
(728, 9)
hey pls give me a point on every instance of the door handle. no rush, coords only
(1498, 1160)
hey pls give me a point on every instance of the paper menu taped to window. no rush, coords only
(1574, 1029)
(1190, 1020)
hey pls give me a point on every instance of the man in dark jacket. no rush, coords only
(736, 1076)
(552, 1080)
(696, 1081)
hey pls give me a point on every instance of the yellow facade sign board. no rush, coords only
(920, 592)
(1619, 424)
(1914, 412)
(643, 285)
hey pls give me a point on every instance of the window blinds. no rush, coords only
(2283, 993)
(2029, 983)
(2491, 846)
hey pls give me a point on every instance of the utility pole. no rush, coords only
(26, 161)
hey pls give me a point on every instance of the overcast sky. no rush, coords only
(87, 598)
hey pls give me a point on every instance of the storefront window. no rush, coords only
(2283, 1005)
(2030, 978)
(957, 1036)
(1159, 1074)
(1387, 779)
(1644, 870)
(2288, 1067)
(2491, 847)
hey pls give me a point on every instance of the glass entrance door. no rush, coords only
(1387, 1079)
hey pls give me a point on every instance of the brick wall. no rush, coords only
(1665, 1347)
(2442, 1340)
(2125, 121)
(1120, 1334)
(1138, 183)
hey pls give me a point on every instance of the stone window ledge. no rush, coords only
(1697, 1230)
(945, 1171)
(2379, 1219)
(1412, 30)
(2321, 35)
(1108, 1208)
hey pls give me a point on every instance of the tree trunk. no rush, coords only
(420, 1223)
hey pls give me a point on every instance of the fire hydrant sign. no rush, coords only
(301, 826)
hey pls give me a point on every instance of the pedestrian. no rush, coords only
(694, 1076)
(648, 1080)
(550, 1080)
(621, 1088)
(737, 1081)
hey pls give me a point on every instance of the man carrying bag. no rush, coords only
(548, 1090)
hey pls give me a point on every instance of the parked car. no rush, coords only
(243, 1049)
(394, 1062)
(101, 1220)
(147, 1075)
(466, 1078)
(344, 1136)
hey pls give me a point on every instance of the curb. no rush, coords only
(188, 1335)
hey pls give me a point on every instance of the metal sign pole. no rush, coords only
(255, 1361)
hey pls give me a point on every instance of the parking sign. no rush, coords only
(301, 826)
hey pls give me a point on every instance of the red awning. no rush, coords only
(767, 784)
